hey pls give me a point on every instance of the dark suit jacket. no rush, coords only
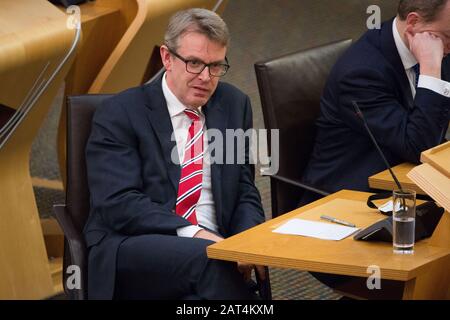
(372, 74)
(133, 182)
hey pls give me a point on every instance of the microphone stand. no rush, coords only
(361, 116)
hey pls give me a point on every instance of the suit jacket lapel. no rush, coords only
(216, 118)
(390, 51)
(159, 118)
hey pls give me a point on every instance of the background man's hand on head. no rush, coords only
(428, 49)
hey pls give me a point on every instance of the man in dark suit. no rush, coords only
(152, 218)
(398, 76)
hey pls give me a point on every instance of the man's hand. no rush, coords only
(203, 234)
(428, 49)
(246, 270)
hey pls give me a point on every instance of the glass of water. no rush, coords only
(404, 220)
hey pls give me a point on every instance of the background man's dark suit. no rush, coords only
(133, 181)
(372, 74)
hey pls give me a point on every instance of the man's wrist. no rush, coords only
(204, 234)
(437, 85)
(189, 231)
(431, 71)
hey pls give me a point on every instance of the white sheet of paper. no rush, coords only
(389, 206)
(314, 229)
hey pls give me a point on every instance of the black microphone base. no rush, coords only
(428, 216)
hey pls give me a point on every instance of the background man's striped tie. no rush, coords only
(190, 185)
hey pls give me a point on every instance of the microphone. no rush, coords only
(361, 116)
(428, 214)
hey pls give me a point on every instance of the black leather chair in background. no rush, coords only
(290, 87)
(73, 215)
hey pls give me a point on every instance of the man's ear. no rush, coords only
(165, 57)
(412, 21)
(409, 31)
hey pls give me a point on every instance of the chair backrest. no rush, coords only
(73, 215)
(80, 110)
(290, 88)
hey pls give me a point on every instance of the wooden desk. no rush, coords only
(424, 275)
(384, 181)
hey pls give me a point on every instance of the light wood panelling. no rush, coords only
(56, 266)
(53, 237)
(32, 32)
(49, 184)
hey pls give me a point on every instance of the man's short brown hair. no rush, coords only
(428, 9)
(196, 20)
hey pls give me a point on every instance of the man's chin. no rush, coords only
(198, 102)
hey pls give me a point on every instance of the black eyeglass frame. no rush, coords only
(186, 61)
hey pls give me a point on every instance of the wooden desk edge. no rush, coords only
(383, 180)
(214, 251)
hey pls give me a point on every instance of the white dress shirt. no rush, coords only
(409, 61)
(205, 210)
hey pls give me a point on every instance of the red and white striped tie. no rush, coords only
(190, 185)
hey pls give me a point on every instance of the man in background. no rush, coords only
(398, 77)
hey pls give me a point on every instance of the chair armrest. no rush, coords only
(77, 253)
(298, 184)
(65, 221)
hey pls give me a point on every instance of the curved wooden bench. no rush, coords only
(32, 33)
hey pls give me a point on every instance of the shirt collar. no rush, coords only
(406, 56)
(173, 104)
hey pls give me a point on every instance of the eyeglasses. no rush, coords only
(216, 69)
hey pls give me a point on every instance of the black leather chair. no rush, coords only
(290, 87)
(73, 215)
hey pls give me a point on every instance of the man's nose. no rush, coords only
(204, 75)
